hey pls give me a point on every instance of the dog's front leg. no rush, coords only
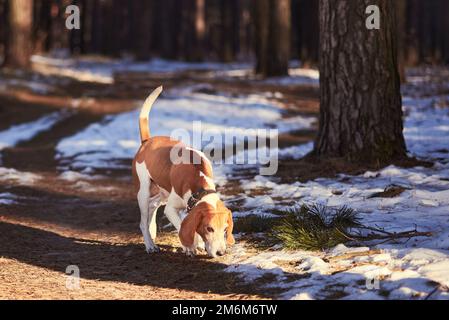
(190, 252)
(199, 243)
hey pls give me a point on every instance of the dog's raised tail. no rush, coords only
(144, 114)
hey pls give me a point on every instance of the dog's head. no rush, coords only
(213, 224)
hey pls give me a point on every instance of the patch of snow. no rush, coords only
(414, 269)
(32, 85)
(7, 198)
(22, 178)
(75, 176)
(26, 131)
(116, 139)
(100, 70)
(297, 76)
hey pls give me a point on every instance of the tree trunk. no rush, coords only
(42, 25)
(76, 37)
(194, 29)
(360, 114)
(140, 29)
(412, 57)
(272, 43)
(60, 35)
(3, 28)
(166, 12)
(445, 27)
(401, 15)
(229, 29)
(19, 47)
(308, 32)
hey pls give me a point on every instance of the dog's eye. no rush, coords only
(226, 230)
(210, 229)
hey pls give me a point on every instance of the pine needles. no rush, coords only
(317, 227)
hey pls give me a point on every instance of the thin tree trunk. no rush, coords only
(413, 25)
(401, 15)
(309, 29)
(87, 17)
(76, 36)
(168, 11)
(140, 29)
(60, 35)
(272, 43)
(194, 29)
(261, 25)
(229, 29)
(445, 27)
(20, 45)
(42, 25)
(360, 114)
(3, 29)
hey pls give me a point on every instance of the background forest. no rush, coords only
(218, 30)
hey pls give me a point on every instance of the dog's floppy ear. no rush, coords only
(229, 237)
(188, 228)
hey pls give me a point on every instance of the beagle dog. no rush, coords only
(186, 185)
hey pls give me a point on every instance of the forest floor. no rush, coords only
(67, 137)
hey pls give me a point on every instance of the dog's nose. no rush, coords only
(220, 252)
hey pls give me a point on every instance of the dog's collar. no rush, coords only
(197, 196)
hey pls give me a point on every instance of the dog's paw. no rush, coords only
(201, 246)
(190, 252)
(153, 249)
(199, 243)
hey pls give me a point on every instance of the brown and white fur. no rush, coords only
(160, 182)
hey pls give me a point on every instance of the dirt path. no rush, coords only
(91, 224)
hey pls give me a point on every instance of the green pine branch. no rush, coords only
(317, 227)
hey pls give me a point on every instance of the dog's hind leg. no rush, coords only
(143, 198)
(153, 206)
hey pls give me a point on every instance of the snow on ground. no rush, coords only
(82, 181)
(296, 75)
(21, 133)
(418, 268)
(76, 176)
(427, 127)
(26, 131)
(101, 70)
(7, 198)
(107, 144)
(19, 177)
(33, 85)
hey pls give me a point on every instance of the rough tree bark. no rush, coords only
(360, 114)
(272, 42)
(20, 41)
